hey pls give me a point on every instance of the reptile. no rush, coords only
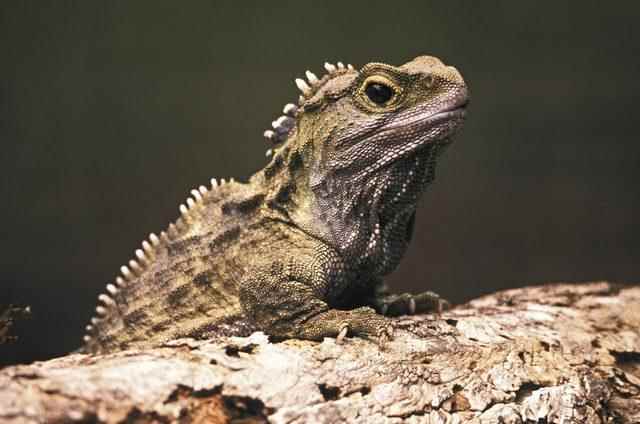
(300, 249)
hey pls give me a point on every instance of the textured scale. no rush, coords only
(299, 250)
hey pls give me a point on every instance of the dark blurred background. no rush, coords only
(112, 111)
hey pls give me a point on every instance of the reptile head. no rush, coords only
(365, 121)
(369, 139)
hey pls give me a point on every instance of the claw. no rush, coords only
(443, 305)
(385, 336)
(342, 334)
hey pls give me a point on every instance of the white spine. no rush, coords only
(302, 86)
(311, 77)
(147, 248)
(289, 109)
(120, 282)
(135, 267)
(141, 256)
(106, 300)
(196, 195)
(126, 273)
(269, 135)
(154, 239)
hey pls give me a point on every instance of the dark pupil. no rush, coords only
(378, 93)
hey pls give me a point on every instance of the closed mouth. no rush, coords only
(445, 115)
(456, 111)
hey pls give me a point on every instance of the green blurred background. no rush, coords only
(111, 111)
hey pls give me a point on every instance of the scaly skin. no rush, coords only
(299, 250)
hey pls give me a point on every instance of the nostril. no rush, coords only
(429, 80)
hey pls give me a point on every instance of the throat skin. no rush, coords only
(366, 217)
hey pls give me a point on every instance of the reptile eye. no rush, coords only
(378, 93)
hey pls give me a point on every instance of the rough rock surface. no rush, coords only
(555, 354)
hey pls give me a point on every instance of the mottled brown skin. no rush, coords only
(300, 250)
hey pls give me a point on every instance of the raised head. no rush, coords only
(359, 149)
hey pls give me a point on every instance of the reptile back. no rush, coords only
(183, 283)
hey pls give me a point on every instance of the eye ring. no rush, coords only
(379, 91)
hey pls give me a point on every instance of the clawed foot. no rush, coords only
(363, 322)
(410, 304)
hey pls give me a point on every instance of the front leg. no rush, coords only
(286, 308)
(392, 304)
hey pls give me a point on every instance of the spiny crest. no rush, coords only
(314, 84)
(145, 256)
(285, 123)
